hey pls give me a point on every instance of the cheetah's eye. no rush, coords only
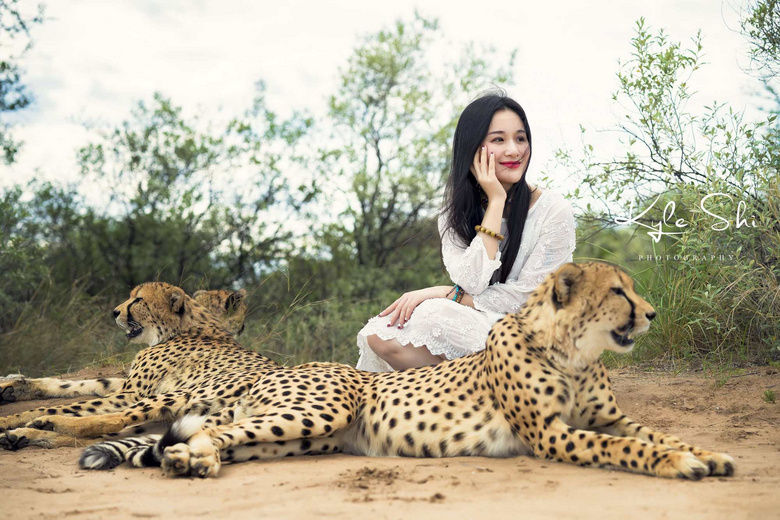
(618, 291)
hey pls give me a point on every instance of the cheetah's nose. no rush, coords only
(116, 313)
(650, 315)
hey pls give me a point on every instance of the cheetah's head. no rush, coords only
(157, 311)
(598, 307)
(229, 306)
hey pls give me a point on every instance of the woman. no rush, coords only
(500, 238)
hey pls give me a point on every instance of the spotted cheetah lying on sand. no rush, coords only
(193, 366)
(229, 306)
(538, 388)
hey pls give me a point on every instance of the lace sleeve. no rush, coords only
(470, 267)
(553, 248)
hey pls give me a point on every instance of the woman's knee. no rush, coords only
(383, 348)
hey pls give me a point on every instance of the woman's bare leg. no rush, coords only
(401, 357)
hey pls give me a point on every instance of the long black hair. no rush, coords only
(462, 200)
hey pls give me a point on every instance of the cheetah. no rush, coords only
(537, 389)
(193, 365)
(229, 306)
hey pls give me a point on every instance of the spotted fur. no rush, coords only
(538, 388)
(230, 307)
(193, 366)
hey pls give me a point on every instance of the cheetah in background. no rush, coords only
(194, 365)
(538, 388)
(229, 306)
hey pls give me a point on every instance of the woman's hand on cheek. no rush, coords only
(484, 170)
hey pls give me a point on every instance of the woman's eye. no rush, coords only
(498, 140)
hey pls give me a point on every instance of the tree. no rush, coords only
(393, 117)
(721, 174)
(14, 27)
(761, 26)
(21, 258)
(173, 197)
(187, 202)
(668, 147)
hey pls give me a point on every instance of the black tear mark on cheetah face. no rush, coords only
(154, 312)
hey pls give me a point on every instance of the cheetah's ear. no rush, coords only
(176, 297)
(197, 293)
(234, 300)
(565, 278)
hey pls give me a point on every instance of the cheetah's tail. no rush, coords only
(110, 454)
(141, 452)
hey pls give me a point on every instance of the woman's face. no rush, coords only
(506, 138)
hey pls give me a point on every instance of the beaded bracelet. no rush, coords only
(458, 293)
(483, 229)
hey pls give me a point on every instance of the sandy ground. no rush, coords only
(729, 417)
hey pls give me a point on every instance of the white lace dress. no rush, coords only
(455, 330)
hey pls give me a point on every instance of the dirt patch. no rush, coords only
(725, 416)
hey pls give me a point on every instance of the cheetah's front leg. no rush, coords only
(24, 389)
(155, 408)
(178, 457)
(203, 449)
(75, 410)
(22, 437)
(585, 448)
(717, 463)
(603, 415)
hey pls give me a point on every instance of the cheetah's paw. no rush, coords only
(176, 460)
(205, 462)
(7, 393)
(680, 464)
(41, 423)
(719, 464)
(11, 442)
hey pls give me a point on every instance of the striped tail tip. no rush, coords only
(100, 457)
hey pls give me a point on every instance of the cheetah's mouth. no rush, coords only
(135, 330)
(624, 340)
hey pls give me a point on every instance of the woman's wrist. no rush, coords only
(454, 293)
(497, 200)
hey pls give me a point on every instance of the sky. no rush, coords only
(92, 61)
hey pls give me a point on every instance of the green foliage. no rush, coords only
(208, 203)
(21, 260)
(60, 329)
(175, 213)
(315, 307)
(392, 118)
(15, 24)
(769, 396)
(761, 26)
(716, 283)
(385, 162)
(201, 203)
